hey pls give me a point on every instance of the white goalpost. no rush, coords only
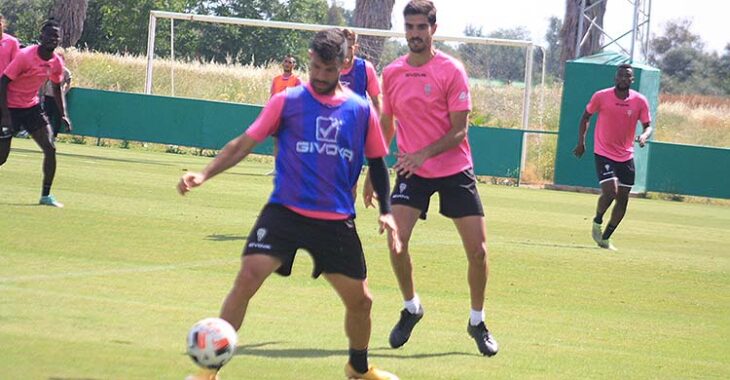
(528, 46)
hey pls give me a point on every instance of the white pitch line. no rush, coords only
(143, 269)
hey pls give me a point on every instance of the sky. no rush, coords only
(454, 15)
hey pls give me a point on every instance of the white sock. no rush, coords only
(476, 317)
(413, 305)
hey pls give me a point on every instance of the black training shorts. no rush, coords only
(333, 244)
(608, 169)
(458, 194)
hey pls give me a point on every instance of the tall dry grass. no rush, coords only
(681, 119)
(693, 119)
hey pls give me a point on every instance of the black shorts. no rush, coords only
(608, 169)
(333, 244)
(458, 194)
(28, 119)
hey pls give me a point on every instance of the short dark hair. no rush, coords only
(625, 66)
(50, 23)
(329, 44)
(421, 7)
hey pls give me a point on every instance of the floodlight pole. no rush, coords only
(641, 19)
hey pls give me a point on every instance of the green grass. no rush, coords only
(107, 287)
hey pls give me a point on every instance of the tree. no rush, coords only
(569, 34)
(504, 63)
(552, 36)
(70, 14)
(685, 66)
(338, 15)
(677, 34)
(374, 14)
(24, 18)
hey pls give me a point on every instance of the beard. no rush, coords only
(416, 46)
(323, 88)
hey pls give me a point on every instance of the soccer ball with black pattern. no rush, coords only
(212, 343)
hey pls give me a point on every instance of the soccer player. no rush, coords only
(19, 102)
(287, 78)
(427, 91)
(325, 132)
(280, 83)
(619, 108)
(358, 74)
(9, 46)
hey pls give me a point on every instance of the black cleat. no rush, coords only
(402, 330)
(485, 341)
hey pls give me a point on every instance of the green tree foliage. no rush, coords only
(504, 63)
(121, 26)
(686, 67)
(25, 17)
(553, 66)
(338, 15)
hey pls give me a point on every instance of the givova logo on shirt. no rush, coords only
(326, 132)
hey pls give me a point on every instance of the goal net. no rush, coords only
(506, 76)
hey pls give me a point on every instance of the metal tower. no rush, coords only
(639, 31)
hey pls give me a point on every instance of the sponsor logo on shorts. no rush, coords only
(401, 188)
(260, 235)
(607, 169)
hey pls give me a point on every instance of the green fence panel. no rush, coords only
(689, 170)
(496, 151)
(160, 119)
(210, 125)
(583, 77)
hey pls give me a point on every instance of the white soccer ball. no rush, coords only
(212, 343)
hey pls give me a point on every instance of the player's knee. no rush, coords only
(361, 304)
(609, 193)
(246, 283)
(477, 253)
(49, 149)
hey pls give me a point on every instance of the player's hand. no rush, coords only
(579, 150)
(408, 163)
(67, 123)
(387, 222)
(189, 181)
(642, 139)
(368, 194)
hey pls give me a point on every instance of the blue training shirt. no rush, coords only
(322, 150)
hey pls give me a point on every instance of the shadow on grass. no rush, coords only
(216, 237)
(19, 204)
(258, 350)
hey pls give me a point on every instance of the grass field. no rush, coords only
(107, 287)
